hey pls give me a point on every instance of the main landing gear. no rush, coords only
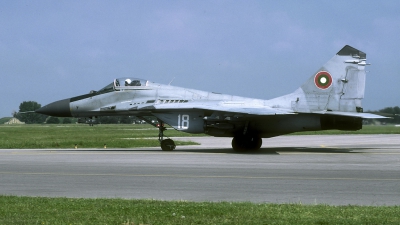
(241, 143)
(246, 141)
(166, 144)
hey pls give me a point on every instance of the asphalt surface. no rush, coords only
(337, 170)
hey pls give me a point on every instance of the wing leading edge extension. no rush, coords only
(227, 107)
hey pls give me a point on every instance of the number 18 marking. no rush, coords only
(183, 123)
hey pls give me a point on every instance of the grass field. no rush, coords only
(84, 136)
(115, 136)
(35, 210)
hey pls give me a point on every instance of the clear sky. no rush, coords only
(51, 50)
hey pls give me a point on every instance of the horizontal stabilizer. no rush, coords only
(354, 114)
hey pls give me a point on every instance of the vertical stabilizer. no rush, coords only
(337, 86)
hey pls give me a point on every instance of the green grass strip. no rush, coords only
(84, 136)
(117, 135)
(40, 210)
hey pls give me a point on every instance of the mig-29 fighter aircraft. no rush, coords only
(329, 99)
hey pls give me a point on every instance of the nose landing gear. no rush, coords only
(166, 144)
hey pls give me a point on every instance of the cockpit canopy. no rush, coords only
(129, 82)
(125, 83)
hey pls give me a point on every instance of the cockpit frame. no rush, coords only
(134, 84)
(130, 84)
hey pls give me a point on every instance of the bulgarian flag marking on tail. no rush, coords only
(323, 80)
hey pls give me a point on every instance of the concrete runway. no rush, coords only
(337, 170)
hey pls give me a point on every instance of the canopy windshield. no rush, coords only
(107, 88)
(122, 83)
(129, 82)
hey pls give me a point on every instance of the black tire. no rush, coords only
(246, 143)
(237, 145)
(256, 143)
(168, 145)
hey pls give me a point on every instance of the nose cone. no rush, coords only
(58, 108)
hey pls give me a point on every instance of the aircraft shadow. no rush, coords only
(276, 151)
(262, 151)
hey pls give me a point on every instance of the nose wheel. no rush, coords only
(167, 145)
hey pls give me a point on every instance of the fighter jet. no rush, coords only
(329, 99)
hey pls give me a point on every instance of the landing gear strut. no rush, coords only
(167, 144)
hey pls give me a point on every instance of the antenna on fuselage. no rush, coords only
(171, 81)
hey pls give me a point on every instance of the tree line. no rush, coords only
(392, 112)
(26, 114)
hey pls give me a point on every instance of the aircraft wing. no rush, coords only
(255, 110)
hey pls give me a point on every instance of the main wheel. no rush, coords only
(246, 143)
(168, 145)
